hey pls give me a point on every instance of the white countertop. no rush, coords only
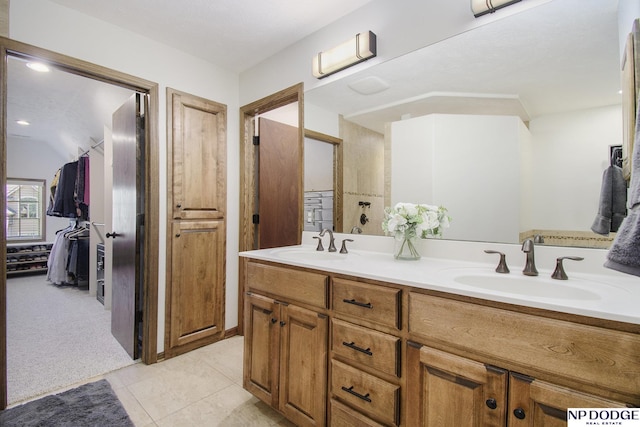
(605, 296)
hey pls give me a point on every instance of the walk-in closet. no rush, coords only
(59, 210)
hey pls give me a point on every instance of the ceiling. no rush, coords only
(233, 34)
(559, 56)
(556, 57)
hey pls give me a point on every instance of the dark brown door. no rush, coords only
(127, 135)
(279, 185)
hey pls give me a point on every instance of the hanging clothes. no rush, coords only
(70, 194)
(68, 262)
(56, 265)
(64, 199)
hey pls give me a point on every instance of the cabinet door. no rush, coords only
(303, 366)
(196, 284)
(197, 150)
(261, 347)
(448, 390)
(534, 403)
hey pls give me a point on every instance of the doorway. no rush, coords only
(248, 171)
(149, 273)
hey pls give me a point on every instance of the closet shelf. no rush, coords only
(26, 258)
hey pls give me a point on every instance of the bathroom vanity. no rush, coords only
(364, 340)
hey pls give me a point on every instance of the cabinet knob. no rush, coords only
(179, 205)
(274, 320)
(178, 235)
(282, 323)
(519, 413)
(491, 403)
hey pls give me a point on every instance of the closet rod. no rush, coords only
(93, 147)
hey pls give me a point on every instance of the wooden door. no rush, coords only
(127, 205)
(261, 347)
(303, 365)
(197, 314)
(447, 390)
(280, 185)
(197, 203)
(198, 156)
(534, 403)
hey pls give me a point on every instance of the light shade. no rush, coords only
(482, 7)
(358, 49)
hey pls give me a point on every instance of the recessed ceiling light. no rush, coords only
(38, 66)
(23, 122)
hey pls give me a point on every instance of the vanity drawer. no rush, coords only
(365, 346)
(291, 285)
(375, 397)
(343, 416)
(373, 303)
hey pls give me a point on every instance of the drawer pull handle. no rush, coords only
(356, 394)
(359, 304)
(353, 346)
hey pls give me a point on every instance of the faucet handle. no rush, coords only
(559, 272)
(319, 247)
(343, 249)
(502, 265)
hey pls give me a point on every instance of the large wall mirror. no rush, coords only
(509, 125)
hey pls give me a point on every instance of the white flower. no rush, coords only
(409, 219)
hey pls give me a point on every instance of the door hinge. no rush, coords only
(256, 140)
(256, 219)
(140, 220)
(139, 316)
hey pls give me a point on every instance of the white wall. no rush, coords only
(436, 160)
(51, 26)
(318, 165)
(570, 152)
(35, 160)
(549, 176)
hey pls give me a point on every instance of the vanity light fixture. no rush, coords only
(353, 51)
(482, 7)
(23, 122)
(38, 66)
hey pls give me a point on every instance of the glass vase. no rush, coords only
(405, 247)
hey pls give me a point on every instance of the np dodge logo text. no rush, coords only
(603, 417)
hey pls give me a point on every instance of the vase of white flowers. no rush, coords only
(407, 222)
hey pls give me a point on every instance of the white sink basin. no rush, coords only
(521, 285)
(306, 254)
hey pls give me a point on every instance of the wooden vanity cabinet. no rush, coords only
(328, 349)
(285, 362)
(446, 389)
(497, 367)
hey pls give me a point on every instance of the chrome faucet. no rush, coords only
(332, 242)
(530, 265)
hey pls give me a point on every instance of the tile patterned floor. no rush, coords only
(200, 388)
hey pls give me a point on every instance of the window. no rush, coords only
(25, 209)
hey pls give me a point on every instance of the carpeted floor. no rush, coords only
(93, 404)
(56, 337)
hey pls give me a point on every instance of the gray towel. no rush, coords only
(624, 254)
(613, 202)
